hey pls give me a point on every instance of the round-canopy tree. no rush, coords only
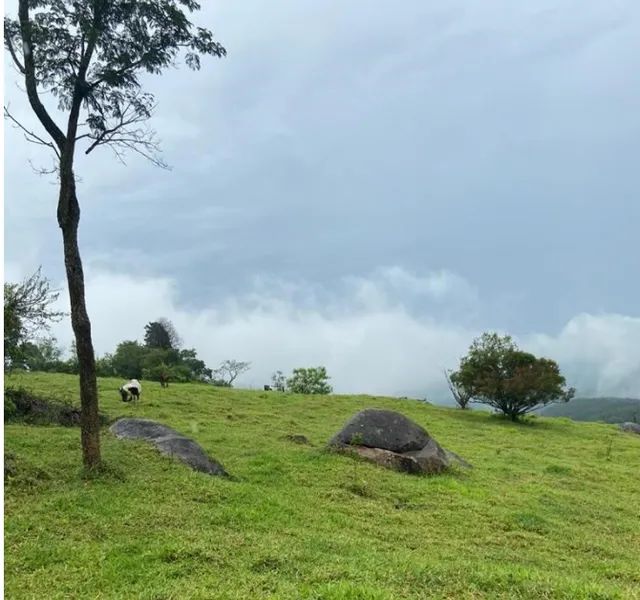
(497, 373)
(312, 380)
(90, 54)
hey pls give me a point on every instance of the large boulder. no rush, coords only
(630, 427)
(384, 429)
(391, 440)
(169, 442)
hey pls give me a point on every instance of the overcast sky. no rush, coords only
(367, 186)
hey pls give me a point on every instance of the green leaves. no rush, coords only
(91, 53)
(497, 373)
(312, 380)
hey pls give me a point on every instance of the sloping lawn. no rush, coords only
(551, 508)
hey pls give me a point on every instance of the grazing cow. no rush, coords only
(130, 390)
(267, 388)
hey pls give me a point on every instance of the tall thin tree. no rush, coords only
(461, 395)
(89, 54)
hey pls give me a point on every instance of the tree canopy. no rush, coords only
(134, 360)
(91, 55)
(497, 373)
(130, 359)
(161, 334)
(311, 380)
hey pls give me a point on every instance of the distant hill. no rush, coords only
(607, 410)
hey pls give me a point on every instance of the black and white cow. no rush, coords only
(130, 390)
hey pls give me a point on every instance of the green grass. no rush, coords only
(550, 509)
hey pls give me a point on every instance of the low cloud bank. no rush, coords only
(367, 334)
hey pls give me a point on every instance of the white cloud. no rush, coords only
(379, 346)
(338, 136)
(599, 351)
(440, 285)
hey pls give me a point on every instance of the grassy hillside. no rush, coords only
(550, 509)
(607, 410)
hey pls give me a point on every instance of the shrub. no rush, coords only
(312, 380)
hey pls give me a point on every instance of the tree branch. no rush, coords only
(107, 135)
(116, 73)
(14, 56)
(148, 150)
(81, 89)
(53, 170)
(125, 135)
(30, 77)
(29, 135)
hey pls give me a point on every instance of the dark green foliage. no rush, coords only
(40, 356)
(160, 371)
(128, 359)
(196, 367)
(46, 356)
(161, 334)
(105, 367)
(495, 372)
(35, 410)
(312, 380)
(96, 52)
(607, 410)
(133, 360)
(156, 336)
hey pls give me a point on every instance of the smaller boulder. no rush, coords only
(191, 453)
(170, 443)
(630, 427)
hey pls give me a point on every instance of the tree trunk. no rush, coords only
(68, 220)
